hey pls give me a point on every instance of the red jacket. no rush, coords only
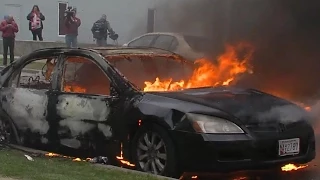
(8, 29)
(71, 27)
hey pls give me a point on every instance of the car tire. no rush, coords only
(156, 154)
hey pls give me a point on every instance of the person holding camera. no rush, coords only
(9, 29)
(72, 23)
(35, 18)
(100, 30)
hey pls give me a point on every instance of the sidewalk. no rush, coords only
(25, 70)
(34, 71)
(15, 57)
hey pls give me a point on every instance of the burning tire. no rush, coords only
(153, 151)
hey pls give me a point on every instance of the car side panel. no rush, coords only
(80, 118)
(27, 108)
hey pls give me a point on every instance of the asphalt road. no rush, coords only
(312, 172)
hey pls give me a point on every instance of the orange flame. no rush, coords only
(76, 160)
(121, 159)
(292, 167)
(241, 178)
(308, 108)
(226, 71)
(74, 88)
(52, 155)
(67, 157)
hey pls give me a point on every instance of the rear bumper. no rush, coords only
(224, 153)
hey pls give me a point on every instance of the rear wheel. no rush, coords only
(153, 151)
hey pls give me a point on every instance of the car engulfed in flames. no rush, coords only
(225, 71)
(152, 110)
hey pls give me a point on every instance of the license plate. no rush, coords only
(289, 147)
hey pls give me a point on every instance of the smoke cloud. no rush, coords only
(285, 34)
(285, 114)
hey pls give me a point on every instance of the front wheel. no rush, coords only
(153, 151)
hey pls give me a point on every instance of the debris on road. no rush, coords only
(29, 157)
(99, 160)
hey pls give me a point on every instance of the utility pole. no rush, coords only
(151, 21)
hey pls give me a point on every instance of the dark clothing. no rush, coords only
(71, 40)
(100, 29)
(9, 29)
(72, 24)
(8, 42)
(101, 42)
(37, 33)
(30, 18)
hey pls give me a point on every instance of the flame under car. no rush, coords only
(91, 102)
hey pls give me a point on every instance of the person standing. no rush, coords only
(100, 30)
(35, 18)
(9, 29)
(72, 23)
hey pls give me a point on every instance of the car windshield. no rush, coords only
(199, 44)
(143, 70)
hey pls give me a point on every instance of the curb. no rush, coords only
(34, 71)
(110, 167)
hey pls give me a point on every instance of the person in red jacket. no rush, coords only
(72, 24)
(9, 29)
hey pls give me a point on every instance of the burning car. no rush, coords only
(82, 101)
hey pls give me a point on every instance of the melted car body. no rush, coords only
(82, 103)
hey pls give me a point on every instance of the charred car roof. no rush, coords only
(118, 51)
(108, 51)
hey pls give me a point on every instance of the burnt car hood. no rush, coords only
(247, 105)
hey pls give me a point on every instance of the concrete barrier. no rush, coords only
(25, 47)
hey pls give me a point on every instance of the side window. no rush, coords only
(144, 41)
(141, 69)
(130, 68)
(35, 75)
(81, 75)
(163, 42)
(174, 44)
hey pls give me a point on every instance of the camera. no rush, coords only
(69, 12)
(113, 36)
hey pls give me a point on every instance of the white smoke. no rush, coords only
(285, 114)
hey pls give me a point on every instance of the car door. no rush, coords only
(143, 41)
(83, 104)
(26, 97)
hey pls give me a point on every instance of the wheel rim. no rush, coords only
(5, 132)
(152, 153)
